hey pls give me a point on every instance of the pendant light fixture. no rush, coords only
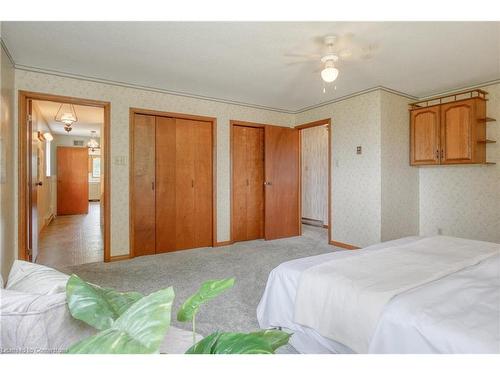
(93, 144)
(66, 114)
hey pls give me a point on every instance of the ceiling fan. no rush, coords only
(336, 49)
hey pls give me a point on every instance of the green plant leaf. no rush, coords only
(260, 342)
(139, 330)
(208, 290)
(96, 306)
(274, 337)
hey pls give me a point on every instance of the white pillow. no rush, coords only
(35, 279)
(38, 323)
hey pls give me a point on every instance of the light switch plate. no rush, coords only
(358, 150)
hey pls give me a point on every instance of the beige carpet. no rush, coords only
(249, 262)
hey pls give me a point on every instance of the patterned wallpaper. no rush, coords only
(464, 201)
(399, 180)
(373, 194)
(8, 223)
(315, 173)
(122, 98)
(356, 190)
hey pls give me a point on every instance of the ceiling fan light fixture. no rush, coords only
(329, 74)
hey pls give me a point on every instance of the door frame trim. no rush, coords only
(23, 98)
(328, 123)
(143, 111)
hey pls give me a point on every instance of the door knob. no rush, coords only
(268, 183)
(39, 183)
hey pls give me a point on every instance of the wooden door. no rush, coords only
(248, 183)
(33, 183)
(457, 121)
(424, 129)
(184, 185)
(203, 183)
(72, 181)
(282, 182)
(143, 204)
(166, 222)
(193, 184)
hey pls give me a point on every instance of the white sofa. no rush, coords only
(34, 316)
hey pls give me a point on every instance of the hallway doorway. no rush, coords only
(64, 167)
(72, 239)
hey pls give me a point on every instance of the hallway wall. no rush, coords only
(314, 142)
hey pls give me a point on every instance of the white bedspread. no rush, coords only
(459, 313)
(343, 299)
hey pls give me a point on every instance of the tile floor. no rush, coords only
(72, 240)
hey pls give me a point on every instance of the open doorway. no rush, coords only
(64, 207)
(315, 179)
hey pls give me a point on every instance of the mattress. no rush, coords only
(457, 314)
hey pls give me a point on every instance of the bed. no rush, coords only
(452, 309)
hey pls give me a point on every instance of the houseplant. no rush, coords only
(130, 323)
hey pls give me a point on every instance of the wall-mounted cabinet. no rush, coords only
(449, 130)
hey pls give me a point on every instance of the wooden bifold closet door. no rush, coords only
(172, 196)
(248, 183)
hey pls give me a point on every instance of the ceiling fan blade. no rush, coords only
(298, 62)
(311, 56)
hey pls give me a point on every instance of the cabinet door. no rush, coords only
(424, 136)
(457, 121)
(143, 181)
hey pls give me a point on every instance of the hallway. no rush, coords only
(72, 240)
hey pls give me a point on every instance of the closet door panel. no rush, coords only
(184, 184)
(165, 184)
(282, 190)
(203, 189)
(143, 199)
(239, 168)
(255, 185)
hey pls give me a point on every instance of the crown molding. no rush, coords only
(147, 88)
(208, 98)
(461, 88)
(357, 93)
(6, 50)
(234, 102)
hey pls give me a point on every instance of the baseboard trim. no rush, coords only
(344, 245)
(117, 258)
(223, 243)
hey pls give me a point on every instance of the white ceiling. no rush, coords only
(89, 118)
(247, 61)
